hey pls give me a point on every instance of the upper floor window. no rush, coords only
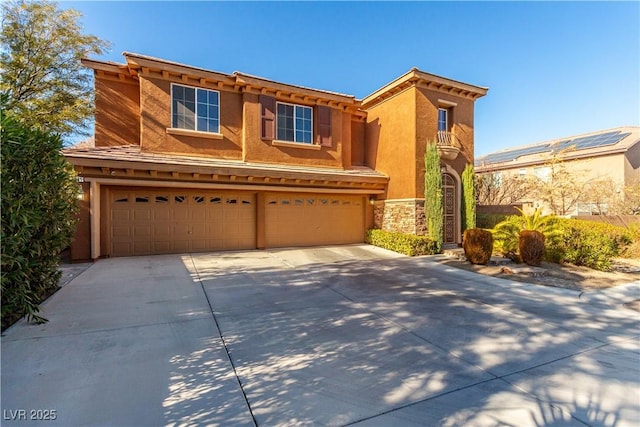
(195, 108)
(443, 119)
(543, 172)
(294, 123)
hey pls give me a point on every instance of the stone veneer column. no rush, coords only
(400, 216)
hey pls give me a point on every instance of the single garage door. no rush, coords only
(311, 219)
(146, 222)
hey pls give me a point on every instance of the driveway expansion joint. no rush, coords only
(223, 341)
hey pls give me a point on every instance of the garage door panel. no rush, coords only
(199, 230)
(199, 245)
(142, 248)
(122, 248)
(142, 231)
(161, 214)
(162, 231)
(199, 214)
(181, 246)
(121, 232)
(294, 220)
(214, 214)
(176, 221)
(162, 247)
(142, 214)
(215, 229)
(181, 213)
(120, 215)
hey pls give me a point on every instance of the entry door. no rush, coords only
(449, 204)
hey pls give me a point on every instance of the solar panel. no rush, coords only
(506, 156)
(581, 143)
(593, 141)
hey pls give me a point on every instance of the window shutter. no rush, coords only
(268, 116)
(324, 126)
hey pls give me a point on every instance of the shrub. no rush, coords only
(468, 198)
(38, 217)
(408, 244)
(489, 220)
(506, 236)
(507, 233)
(478, 245)
(632, 250)
(433, 209)
(588, 243)
(531, 245)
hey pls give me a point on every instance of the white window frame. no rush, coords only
(195, 113)
(295, 129)
(446, 121)
(591, 208)
(496, 178)
(543, 173)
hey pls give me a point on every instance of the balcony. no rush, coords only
(448, 145)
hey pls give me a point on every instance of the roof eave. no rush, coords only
(426, 80)
(92, 158)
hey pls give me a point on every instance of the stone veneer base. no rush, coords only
(401, 216)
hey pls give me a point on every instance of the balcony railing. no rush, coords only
(448, 139)
(448, 145)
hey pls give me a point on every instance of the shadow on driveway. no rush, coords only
(347, 335)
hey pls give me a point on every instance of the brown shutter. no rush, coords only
(324, 126)
(268, 114)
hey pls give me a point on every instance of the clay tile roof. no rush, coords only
(132, 153)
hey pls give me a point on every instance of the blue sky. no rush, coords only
(553, 69)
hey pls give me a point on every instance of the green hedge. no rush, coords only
(39, 197)
(633, 250)
(408, 244)
(488, 220)
(588, 243)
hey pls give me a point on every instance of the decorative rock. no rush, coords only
(529, 270)
(498, 260)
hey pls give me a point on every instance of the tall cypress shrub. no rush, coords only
(39, 195)
(468, 198)
(433, 209)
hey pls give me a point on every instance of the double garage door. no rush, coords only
(150, 221)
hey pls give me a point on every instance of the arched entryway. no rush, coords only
(450, 209)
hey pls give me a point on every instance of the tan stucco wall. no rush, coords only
(390, 142)
(258, 150)
(461, 119)
(156, 118)
(632, 165)
(358, 143)
(592, 170)
(399, 128)
(117, 112)
(588, 169)
(345, 137)
(81, 243)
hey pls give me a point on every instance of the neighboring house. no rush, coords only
(187, 159)
(593, 168)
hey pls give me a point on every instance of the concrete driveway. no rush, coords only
(347, 335)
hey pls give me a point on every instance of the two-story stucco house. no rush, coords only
(187, 159)
(598, 163)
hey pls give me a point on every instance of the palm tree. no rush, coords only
(507, 234)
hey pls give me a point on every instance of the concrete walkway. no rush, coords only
(348, 335)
